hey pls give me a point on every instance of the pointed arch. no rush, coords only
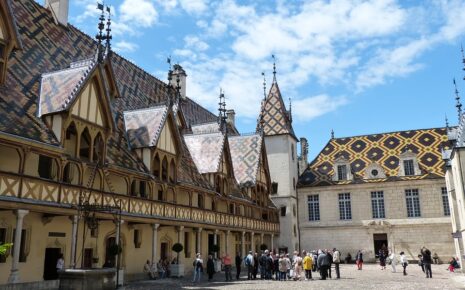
(98, 154)
(71, 139)
(172, 175)
(85, 144)
(156, 166)
(164, 169)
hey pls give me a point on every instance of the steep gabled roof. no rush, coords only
(274, 117)
(246, 152)
(7, 15)
(206, 150)
(382, 149)
(58, 89)
(143, 126)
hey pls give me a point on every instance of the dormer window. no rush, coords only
(374, 171)
(342, 172)
(409, 169)
(408, 164)
(342, 169)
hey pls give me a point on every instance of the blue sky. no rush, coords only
(358, 67)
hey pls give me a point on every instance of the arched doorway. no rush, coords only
(110, 257)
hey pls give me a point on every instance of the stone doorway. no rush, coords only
(50, 263)
(380, 241)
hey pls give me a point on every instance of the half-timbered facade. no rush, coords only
(78, 131)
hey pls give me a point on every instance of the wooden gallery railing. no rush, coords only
(66, 195)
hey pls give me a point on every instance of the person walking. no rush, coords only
(60, 264)
(337, 261)
(198, 268)
(282, 268)
(298, 264)
(404, 262)
(393, 260)
(261, 263)
(249, 261)
(382, 259)
(238, 265)
(227, 262)
(323, 264)
(308, 265)
(210, 268)
(268, 265)
(359, 260)
(427, 260)
(329, 257)
(255, 265)
(276, 267)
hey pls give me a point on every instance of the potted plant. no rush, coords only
(177, 269)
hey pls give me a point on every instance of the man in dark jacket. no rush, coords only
(261, 262)
(323, 264)
(238, 265)
(268, 265)
(427, 260)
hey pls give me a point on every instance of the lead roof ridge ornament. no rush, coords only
(274, 68)
(100, 36)
(264, 85)
(458, 104)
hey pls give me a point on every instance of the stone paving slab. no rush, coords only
(371, 277)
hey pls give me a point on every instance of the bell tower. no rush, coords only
(275, 123)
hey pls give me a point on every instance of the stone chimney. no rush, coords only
(178, 71)
(303, 162)
(60, 9)
(231, 117)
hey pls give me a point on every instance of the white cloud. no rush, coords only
(138, 12)
(124, 46)
(194, 42)
(311, 107)
(194, 6)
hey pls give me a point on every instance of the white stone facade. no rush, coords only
(432, 229)
(282, 161)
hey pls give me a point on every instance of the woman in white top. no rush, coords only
(393, 260)
(404, 262)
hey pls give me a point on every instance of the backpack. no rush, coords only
(247, 261)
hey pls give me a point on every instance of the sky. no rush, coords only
(355, 67)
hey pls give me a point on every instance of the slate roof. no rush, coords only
(59, 89)
(274, 117)
(206, 150)
(143, 126)
(246, 154)
(383, 149)
(206, 128)
(48, 48)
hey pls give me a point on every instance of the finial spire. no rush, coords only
(170, 71)
(332, 134)
(109, 37)
(264, 86)
(290, 110)
(222, 111)
(447, 123)
(100, 37)
(463, 57)
(274, 68)
(458, 104)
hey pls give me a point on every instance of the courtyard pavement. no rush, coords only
(371, 277)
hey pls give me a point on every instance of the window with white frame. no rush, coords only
(445, 201)
(313, 207)
(377, 204)
(342, 172)
(412, 199)
(409, 168)
(345, 211)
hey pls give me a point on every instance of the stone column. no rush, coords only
(215, 241)
(261, 239)
(243, 244)
(154, 242)
(14, 274)
(75, 222)
(181, 240)
(226, 242)
(199, 240)
(272, 243)
(252, 241)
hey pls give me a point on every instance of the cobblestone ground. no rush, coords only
(371, 277)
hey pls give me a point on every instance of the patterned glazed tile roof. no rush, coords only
(245, 154)
(59, 89)
(206, 150)
(195, 113)
(143, 126)
(274, 117)
(206, 128)
(382, 149)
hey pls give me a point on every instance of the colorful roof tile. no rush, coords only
(206, 128)
(246, 153)
(59, 89)
(382, 149)
(143, 126)
(206, 150)
(274, 117)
